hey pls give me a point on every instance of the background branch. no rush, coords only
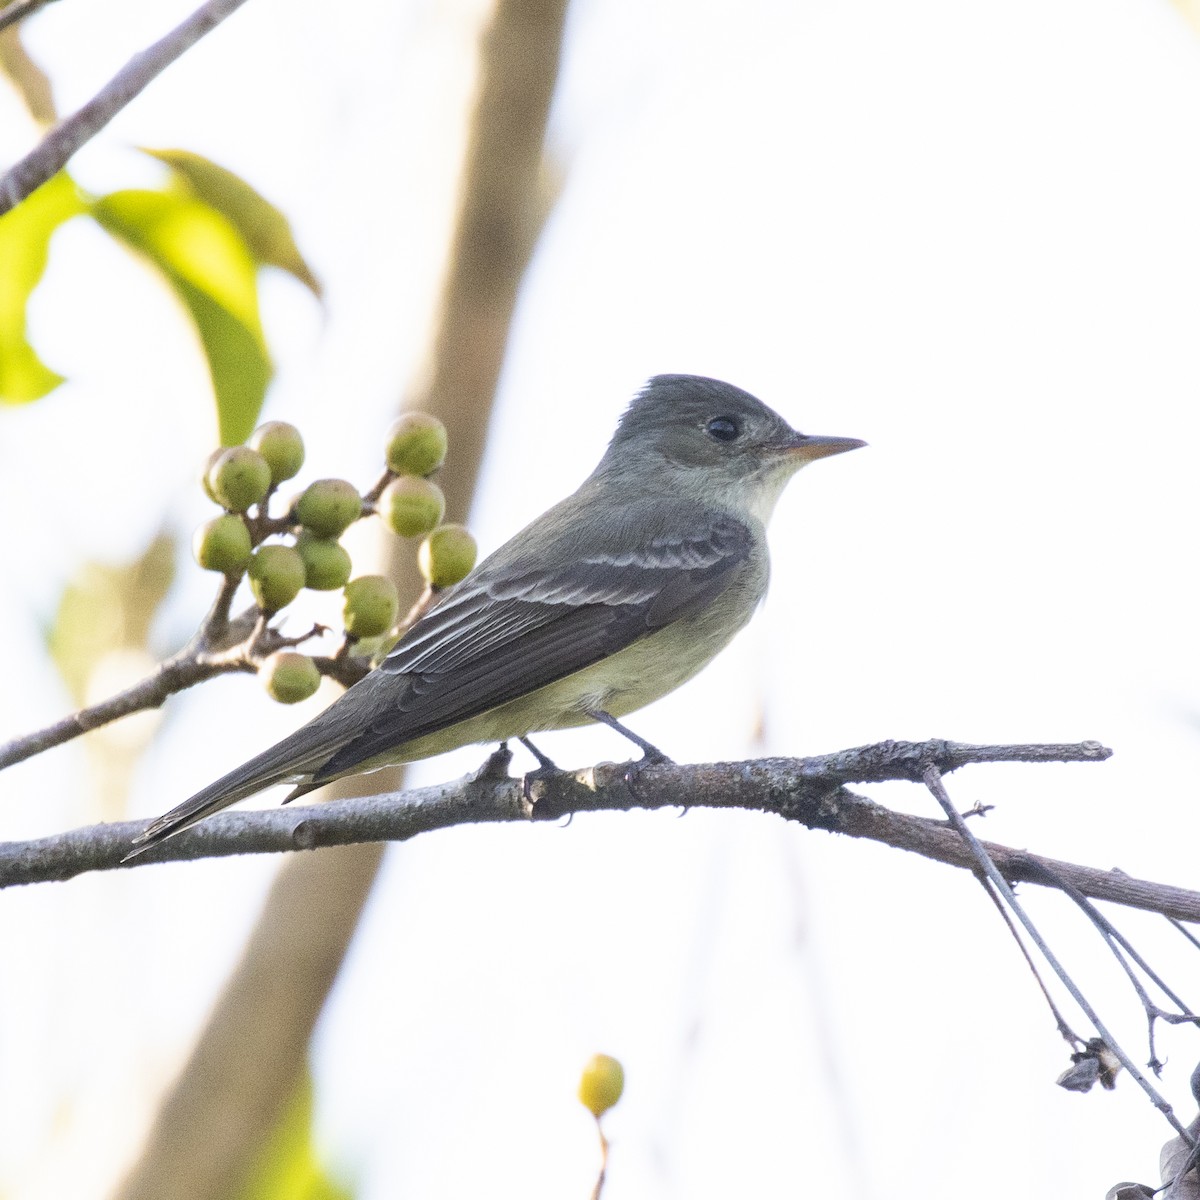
(56, 148)
(30, 81)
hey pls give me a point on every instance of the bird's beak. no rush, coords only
(804, 448)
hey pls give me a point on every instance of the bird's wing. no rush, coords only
(517, 626)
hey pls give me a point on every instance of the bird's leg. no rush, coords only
(545, 768)
(544, 763)
(651, 755)
(496, 766)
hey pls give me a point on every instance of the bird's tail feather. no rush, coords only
(290, 760)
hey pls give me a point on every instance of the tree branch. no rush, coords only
(53, 152)
(244, 643)
(18, 10)
(173, 675)
(810, 791)
(991, 874)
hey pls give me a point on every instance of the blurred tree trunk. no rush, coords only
(251, 1056)
(30, 81)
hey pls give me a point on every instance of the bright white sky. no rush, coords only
(967, 233)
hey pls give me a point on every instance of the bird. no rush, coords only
(608, 601)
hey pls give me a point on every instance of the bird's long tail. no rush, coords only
(292, 760)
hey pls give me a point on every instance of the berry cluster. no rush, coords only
(301, 549)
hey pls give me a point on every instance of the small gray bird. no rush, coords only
(611, 599)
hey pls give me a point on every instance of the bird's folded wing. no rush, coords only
(517, 626)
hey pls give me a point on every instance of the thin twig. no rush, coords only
(1123, 951)
(372, 494)
(933, 780)
(214, 629)
(1185, 1014)
(203, 658)
(1068, 1034)
(600, 1177)
(56, 148)
(176, 674)
(10, 14)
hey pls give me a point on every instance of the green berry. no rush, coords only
(416, 444)
(239, 478)
(283, 448)
(222, 544)
(277, 574)
(290, 677)
(329, 507)
(326, 562)
(446, 555)
(372, 606)
(412, 506)
(206, 474)
(601, 1084)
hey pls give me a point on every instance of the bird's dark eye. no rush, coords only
(724, 429)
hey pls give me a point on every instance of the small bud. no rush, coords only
(412, 506)
(289, 677)
(372, 606)
(276, 576)
(222, 544)
(601, 1084)
(329, 507)
(447, 555)
(416, 444)
(239, 478)
(326, 563)
(283, 448)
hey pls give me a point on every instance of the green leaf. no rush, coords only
(265, 229)
(108, 606)
(287, 1168)
(24, 244)
(208, 264)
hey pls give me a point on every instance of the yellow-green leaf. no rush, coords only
(106, 607)
(207, 262)
(25, 233)
(265, 229)
(287, 1167)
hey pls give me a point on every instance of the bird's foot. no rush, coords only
(539, 807)
(651, 757)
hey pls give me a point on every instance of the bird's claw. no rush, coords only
(653, 757)
(541, 808)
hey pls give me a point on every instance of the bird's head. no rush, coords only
(702, 438)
